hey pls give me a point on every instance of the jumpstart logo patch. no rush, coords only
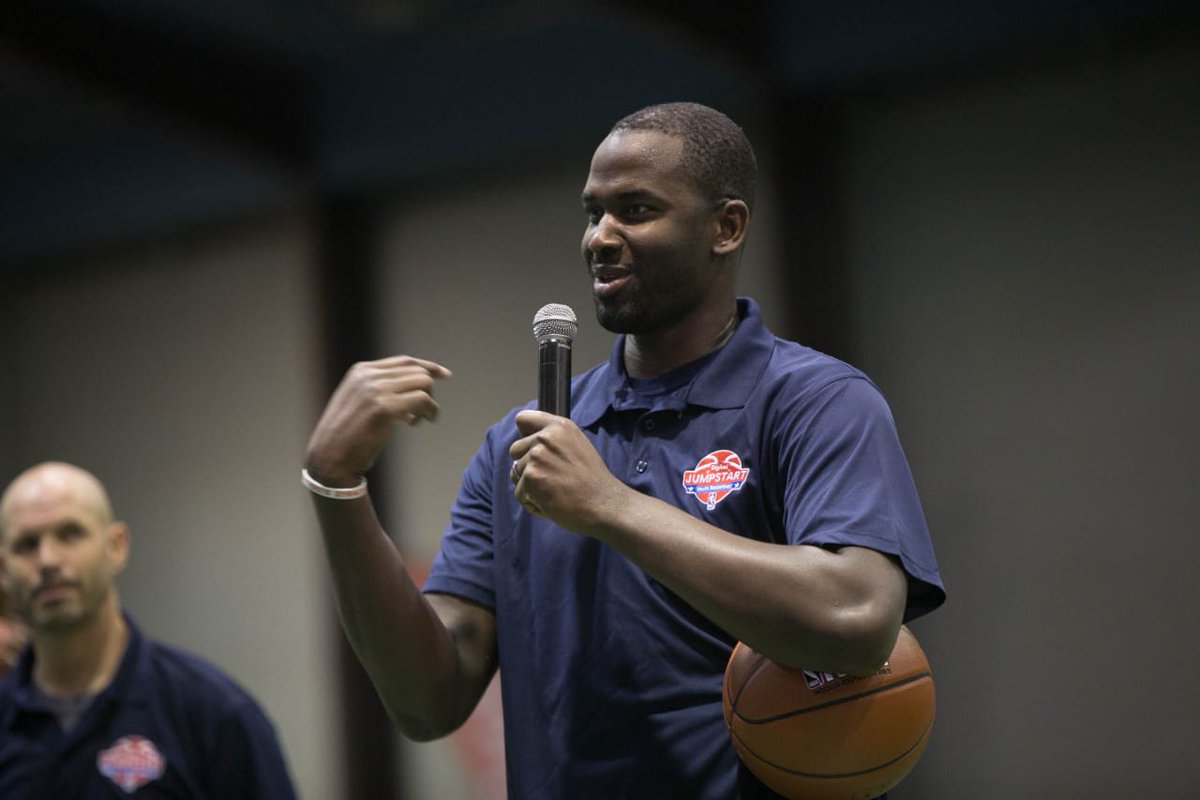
(131, 763)
(715, 477)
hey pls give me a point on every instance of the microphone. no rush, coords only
(554, 327)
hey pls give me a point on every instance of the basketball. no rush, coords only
(821, 736)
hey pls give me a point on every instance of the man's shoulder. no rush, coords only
(797, 363)
(189, 674)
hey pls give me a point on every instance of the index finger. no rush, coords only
(432, 367)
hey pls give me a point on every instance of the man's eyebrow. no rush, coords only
(624, 195)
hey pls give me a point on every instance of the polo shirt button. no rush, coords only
(641, 466)
(648, 425)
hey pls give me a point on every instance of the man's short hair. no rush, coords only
(716, 152)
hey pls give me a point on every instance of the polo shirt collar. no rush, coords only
(125, 684)
(25, 695)
(725, 382)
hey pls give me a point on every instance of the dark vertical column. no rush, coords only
(346, 252)
(808, 160)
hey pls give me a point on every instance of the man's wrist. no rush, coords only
(335, 492)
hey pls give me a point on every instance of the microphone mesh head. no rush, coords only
(555, 320)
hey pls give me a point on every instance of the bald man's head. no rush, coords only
(50, 482)
(60, 549)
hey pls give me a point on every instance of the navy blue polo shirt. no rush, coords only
(170, 725)
(611, 684)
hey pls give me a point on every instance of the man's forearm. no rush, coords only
(396, 634)
(800, 605)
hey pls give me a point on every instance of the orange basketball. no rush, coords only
(820, 736)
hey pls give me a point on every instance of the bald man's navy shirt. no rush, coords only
(611, 684)
(170, 725)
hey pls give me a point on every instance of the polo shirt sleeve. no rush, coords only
(463, 564)
(247, 762)
(847, 482)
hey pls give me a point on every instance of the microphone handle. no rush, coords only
(554, 377)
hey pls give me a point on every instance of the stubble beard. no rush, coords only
(59, 619)
(648, 309)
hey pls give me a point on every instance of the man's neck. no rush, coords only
(82, 660)
(648, 356)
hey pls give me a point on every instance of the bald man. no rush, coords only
(94, 709)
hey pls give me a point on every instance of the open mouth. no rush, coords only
(607, 279)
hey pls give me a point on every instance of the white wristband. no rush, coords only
(333, 492)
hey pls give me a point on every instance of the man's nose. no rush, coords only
(603, 237)
(49, 553)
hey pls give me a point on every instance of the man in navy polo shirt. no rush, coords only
(94, 709)
(713, 483)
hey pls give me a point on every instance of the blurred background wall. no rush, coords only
(181, 375)
(210, 210)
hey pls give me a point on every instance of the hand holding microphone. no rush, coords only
(554, 328)
(556, 472)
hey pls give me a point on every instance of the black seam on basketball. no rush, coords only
(797, 712)
(762, 662)
(832, 775)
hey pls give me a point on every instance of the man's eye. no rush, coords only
(637, 210)
(593, 215)
(71, 531)
(21, 546)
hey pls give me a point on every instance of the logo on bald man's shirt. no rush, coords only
(131, 763)
(716, 476)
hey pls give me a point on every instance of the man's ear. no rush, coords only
(733, 223)
(118, 546)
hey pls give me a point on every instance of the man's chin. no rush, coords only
(57, 620)
(615, 318)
